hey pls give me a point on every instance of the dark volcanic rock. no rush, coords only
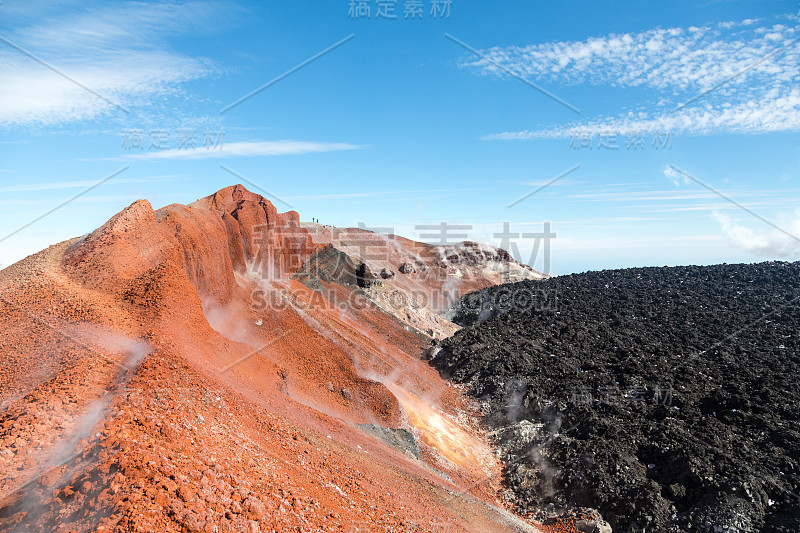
(482, 305)
(666, 398)
(397, 438)
(366, 277)
(330, 265)
(407, 268)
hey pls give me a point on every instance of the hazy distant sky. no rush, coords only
(450, 112)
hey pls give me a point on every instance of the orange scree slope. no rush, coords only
(187, 370)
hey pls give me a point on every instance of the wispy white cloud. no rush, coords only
(248, 149)
(778, 110)
(675, 177)
(82, 184)
(335, 196)
(720, 205)
(634, 243)
(46, 203)
(551, 183)
(606, 220)
(734, 77)
(694, 58)
(648, 199)
(768, 244)
(379, 194)
(117, 51)
(17, 202)
(681, 196)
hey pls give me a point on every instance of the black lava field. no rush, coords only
(665, 398)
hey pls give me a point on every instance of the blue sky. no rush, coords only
(665, 114)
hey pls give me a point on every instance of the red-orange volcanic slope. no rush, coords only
(143, 390)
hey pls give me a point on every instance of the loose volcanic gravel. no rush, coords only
(665, 398)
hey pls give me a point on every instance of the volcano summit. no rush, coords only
(220, 366)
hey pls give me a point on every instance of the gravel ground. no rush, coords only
(666, 398)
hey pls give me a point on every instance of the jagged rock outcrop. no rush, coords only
(366, 277)
(329, 265)
(406, 268)
(259, 236)
(210, 239)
